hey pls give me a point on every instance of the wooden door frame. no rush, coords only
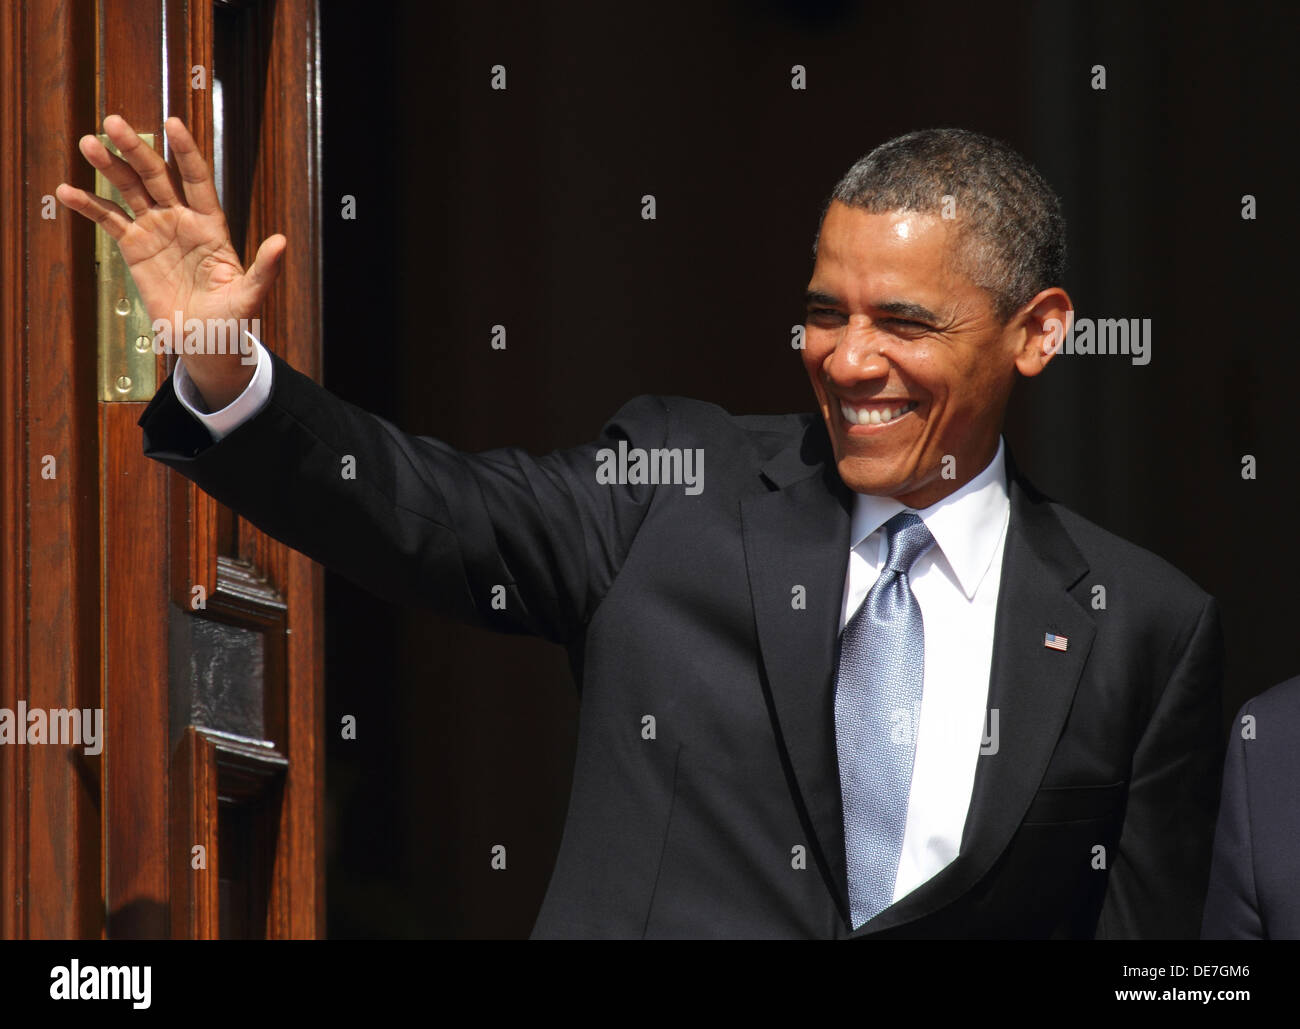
(50, 842)
(100, 846)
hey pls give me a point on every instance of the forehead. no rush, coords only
(861, 255)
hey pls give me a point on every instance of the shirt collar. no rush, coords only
(966, 525)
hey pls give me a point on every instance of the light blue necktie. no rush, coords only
(879, 674)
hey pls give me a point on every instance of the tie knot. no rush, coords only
(908, 539)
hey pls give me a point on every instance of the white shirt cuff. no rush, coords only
(241, 409)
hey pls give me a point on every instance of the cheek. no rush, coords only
(814, 357)
(959, 407)
(971, 392)
(951, 383)
(922, 372)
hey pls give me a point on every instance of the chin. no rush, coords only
(861, 481)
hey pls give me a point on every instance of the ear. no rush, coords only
(1039, 329)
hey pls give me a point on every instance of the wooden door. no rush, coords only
(123, 588)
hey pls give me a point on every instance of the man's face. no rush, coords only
(905, 353)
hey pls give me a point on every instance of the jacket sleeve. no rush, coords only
(500, 539)
(1232, 905)
(1158, 877)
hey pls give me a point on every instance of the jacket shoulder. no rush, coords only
(1280, 702)
(1134, 565)
(684, 421)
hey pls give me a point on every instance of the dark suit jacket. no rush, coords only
(680, 607)
(1254, 891)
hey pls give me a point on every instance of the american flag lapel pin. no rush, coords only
(1055, 642)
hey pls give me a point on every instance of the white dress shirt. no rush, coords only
(243, 407)
(956, 586)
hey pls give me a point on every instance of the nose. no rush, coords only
(857, 356)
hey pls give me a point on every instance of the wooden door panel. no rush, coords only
(211, 699)
(267, 783)
(50, 843)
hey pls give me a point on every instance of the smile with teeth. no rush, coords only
(875, 415)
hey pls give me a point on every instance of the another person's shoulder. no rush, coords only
(1277, 702)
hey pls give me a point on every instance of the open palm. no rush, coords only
(179, 253)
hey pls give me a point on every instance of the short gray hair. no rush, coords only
(1011, 222)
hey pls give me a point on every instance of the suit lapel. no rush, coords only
(798, 536)
(1031, 686)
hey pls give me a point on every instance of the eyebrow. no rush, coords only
(898, 308)
(816, 296)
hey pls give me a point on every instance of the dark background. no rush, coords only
(522, 207)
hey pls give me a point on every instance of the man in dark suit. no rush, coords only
(850, 676)
(1256, 863)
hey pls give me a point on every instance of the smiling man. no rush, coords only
(920, 313)
(863, 681)
(936, 283)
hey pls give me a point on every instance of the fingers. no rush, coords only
(108, 216)
(118, 172)
(263, 271)
(147, 163)
(195, 177)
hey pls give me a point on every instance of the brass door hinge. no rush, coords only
(127, 363)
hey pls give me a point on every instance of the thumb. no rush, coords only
(262, 272)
